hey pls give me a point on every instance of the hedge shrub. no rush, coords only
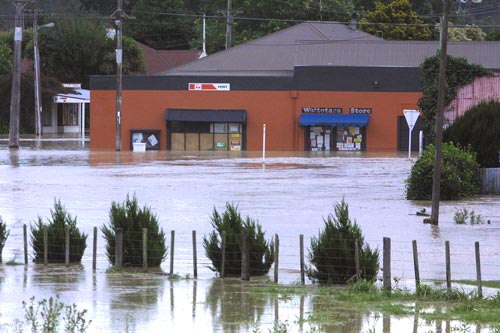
(479, 128)
(460, 174)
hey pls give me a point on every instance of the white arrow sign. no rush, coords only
(411, 117)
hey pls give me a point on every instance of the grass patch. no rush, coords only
(428, 302)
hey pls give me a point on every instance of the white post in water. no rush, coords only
(420, 143)
(264, 143)
(411, 118)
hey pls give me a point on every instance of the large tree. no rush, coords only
(396, 21)
(73, 50)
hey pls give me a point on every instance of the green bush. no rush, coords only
(261, 251)
(332, 253)
(479, 128)
(131, 219)
(460, 176)
(56, 232)
(4, 233)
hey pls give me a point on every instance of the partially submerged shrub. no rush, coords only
(459, 174)
(4, 233)
(462, 216)
(56, 231)
(261, 251)
(332, 253)
(132, 219)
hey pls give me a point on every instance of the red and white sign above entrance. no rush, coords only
(209, 87)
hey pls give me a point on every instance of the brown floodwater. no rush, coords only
(289, 195)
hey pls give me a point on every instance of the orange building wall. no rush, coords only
(279, 110)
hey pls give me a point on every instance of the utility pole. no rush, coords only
(229, 22)
(119, 15)
(36, 56)
(15, 97)
(436, 176)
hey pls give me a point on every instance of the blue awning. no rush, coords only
(357, 120)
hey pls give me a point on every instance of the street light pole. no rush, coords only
(36, 56)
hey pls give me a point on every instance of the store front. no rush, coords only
(221, 130)
(334, 131)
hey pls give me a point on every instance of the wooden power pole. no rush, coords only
(15, 97)
(119, 15)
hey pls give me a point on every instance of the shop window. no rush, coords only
(67, 114)
(218, 128)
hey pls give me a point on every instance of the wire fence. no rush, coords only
(413, 262)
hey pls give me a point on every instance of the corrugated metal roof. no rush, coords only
(324, 44)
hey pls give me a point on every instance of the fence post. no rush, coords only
(94, 252)
(172, 242)
(66, 237)
(387, 263)
(145, 248)
(302, 268)
(276, 257)
(195, 256)
(356, 260)
(448, 264)
(45, 246)
(245, 257)
(223, 246)
(118, 248)
(25, 237)
(415, 264)
(478, 271)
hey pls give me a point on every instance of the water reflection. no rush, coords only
(233, 308)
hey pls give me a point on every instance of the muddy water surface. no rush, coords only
(289, 195)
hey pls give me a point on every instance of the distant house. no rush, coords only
(158, 61)
(68, 112)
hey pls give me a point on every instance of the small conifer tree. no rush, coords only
(132, 219)
(4, 233)
(332, 253)
(56, 232)
(261, 251)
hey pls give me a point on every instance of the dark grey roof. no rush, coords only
(329, 44)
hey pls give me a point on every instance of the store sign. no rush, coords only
(209, 87)
(321, 110)
(360, 110)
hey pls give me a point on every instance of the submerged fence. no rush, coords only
(490, 180)
(291, 257)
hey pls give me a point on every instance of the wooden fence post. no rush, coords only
(245, 257)
(94, 252)
(276, 257)
(195, 256)
(45, 246)
(356, 260)
(25, 237)
(415, 264)
(302, 266)
(118, 248)
(172, 242)
(478, 272)
(448, 265)
(145, 248)
(387, 263)
(223, 246)
(66, 237)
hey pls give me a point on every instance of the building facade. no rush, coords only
(315, 86)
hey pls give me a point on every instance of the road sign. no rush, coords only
(411, 117)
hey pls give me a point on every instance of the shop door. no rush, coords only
(320, 138)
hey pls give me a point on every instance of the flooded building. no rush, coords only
(315, 86)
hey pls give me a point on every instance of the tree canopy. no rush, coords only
(395, 21)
